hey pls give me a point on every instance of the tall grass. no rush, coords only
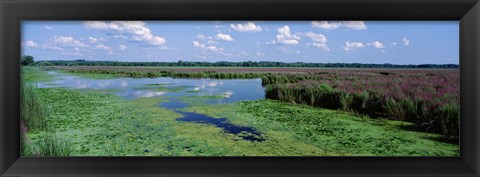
(48, 144)
(34, 118)
(448, 119)
(51, 145)
(32, 112)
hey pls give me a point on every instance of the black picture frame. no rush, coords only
(12, 12)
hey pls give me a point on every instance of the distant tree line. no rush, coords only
(181, 63)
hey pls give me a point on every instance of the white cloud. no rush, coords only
(285, 30)
(248, 27)
(325, 25)
(138, 30)
(224, 37)
(394, 43)
(376, 44)
(352, 45)
(405, 41)
(202, 37)
(97, 25)
(355, 25)
(212, 42)
(204, 47)
(48, 27)
(285, 36)
(122, 47)
(47, 46)
(167, 48)
(31, 44)
(95, 40)
(260, 54)
(316, 37)
(198, 45)
(319, 41)
(120, 36)
(319, 45)
(218, 37)
(213, 48)
(68, 41)
(221, 28)
(92, 39)
(102, 47)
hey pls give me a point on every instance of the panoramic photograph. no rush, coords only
(240, 88)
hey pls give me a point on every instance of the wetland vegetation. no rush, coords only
(133, 111)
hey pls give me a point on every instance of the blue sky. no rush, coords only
(396, 42)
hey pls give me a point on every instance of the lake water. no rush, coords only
(234, 90)
(213, 91)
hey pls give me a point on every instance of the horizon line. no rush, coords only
(83, 60)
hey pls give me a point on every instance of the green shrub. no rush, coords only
(394, 109)
(346, 100)
(359, 102)
(409, 110)
(448, 119)
(375, 106)
(48, 145)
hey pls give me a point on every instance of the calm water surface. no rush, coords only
(234, 90)
(226, 91)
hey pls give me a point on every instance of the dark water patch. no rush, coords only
(158, 84)
(174, 104)
(246, 133)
